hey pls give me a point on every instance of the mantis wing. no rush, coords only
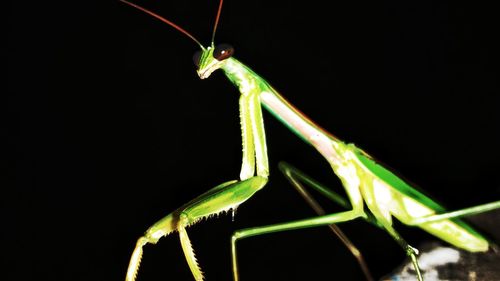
(412, 204)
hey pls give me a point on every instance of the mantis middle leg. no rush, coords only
(324, 220)
(296, 178)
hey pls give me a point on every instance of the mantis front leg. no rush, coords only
(253, 137)
(224, 197)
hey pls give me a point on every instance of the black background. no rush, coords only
(108, 128)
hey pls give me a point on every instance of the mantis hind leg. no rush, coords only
(296, 178)
(456, 214)
(410, 251)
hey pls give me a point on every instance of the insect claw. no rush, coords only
(412, 250)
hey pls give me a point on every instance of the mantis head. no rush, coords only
(212, 58)
(207, 59)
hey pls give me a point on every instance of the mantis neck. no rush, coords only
(249, 82)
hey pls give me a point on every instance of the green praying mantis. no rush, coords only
(373, 192)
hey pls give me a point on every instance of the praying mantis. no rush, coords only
(374, 193)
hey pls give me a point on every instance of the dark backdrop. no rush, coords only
(108, 128)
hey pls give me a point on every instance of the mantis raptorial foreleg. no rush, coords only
(222, 198)
(225, 197)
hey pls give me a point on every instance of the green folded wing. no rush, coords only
(400, 185)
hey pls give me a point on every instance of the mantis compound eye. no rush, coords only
(196, 58)
(223, 51)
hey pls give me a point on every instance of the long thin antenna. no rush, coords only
(165, 21)
(217, 21)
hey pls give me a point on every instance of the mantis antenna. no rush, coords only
(217, 21)
(182, 30)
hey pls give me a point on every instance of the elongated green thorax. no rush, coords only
(248, 81)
